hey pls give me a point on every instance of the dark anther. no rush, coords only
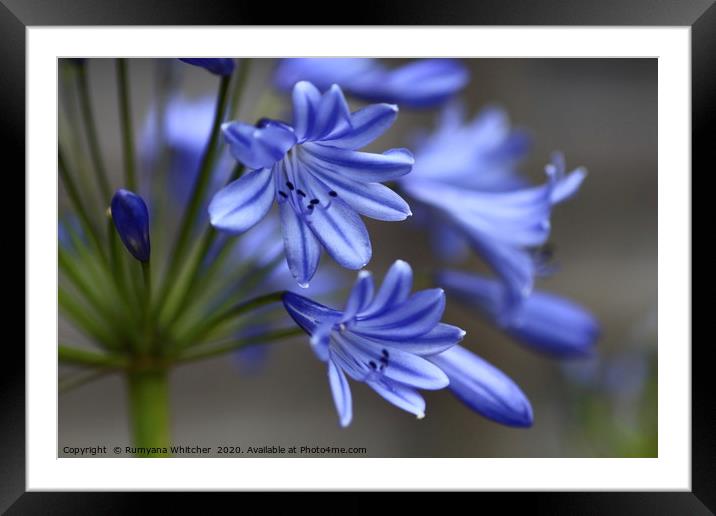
(310, 207)
(382, 366)
(290, 185)
(282, 194)
(333, 193)
(263, 122)
(372, 365)
(315, 201)
(300, 192)
(385, 353)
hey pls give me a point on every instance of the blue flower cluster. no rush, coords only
(462, 181)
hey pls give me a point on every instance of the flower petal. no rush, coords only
(416, 316)
(441, 338)
(394, 290)
(258, 147)
(303, 251)
(360, 296)
(241, 204)
(306, 313)
(373, 200)
(554, 325)
(306, 99)
(359, 166)
(545, 322)
(395, 364)
(367, 125)
(334, 116)
(321, 339)
(401, 396)
(341, 393)
(427, 82)
(342, 232)
(484, 388)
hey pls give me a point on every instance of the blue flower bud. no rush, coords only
(218, 66)
(131, 218)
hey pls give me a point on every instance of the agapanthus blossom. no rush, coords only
(217, 66)
(477, 195)
(421, 83)
(395, 343)
(321, 182)
(545, 322)
(131, 219)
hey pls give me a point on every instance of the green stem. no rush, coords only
(211, 323)
(70, 355)
(241, 81)
(149, 411)
(200, 185)
(201, 354)
(72, 381)
(76, 199)
(125, 112)
(91, 130)
(191, 280)
(78, 315)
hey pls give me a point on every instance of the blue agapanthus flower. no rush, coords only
(477, 195)
(543, 321)
(217, 66)
(321, 182)
(421, 83)
(395, 343)
(131, 219)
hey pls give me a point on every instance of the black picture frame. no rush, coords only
(17, 15)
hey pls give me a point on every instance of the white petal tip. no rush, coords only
(462, 333)
(303, 285)
(421, 415)
(363, 274)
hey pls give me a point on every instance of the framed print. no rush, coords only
(445, 257)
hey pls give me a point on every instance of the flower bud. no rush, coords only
(218, 66)
(131, 218)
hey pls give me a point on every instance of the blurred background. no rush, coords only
(602, 113)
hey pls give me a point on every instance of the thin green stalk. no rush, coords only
(200, 185)
(211, 323)
(79, 378)
(201, 354)
(242, 76)
(149, 411)
(125, 112)
(76, 199)
(91, 130)
(78, 315)
(75, 356)
(191, 280)
(147, 280)
(77, 279)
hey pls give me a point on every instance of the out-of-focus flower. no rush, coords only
(319, 179)
(543, 321)
(184, 130)
(131, 219)
(478, 193)
(381, 340)
(484, 388)
(67, 228)
(217, 66)
(421, 83)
